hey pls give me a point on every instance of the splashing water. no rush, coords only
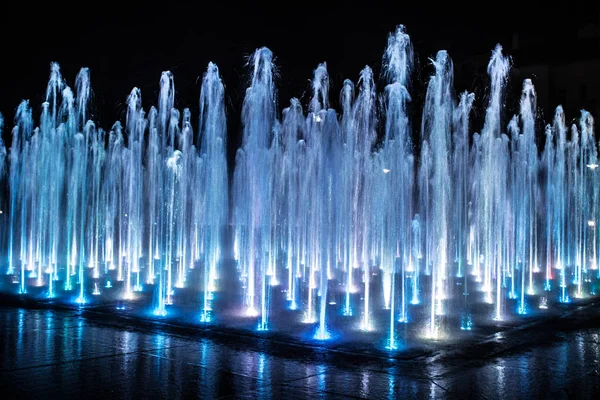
(337, 219)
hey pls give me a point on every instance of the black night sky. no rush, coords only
(127, 45)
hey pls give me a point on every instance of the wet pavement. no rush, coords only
(50, 352)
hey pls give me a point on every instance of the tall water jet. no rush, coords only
(490, 204)
(186, 238)
(174, 182)
(461, 190)
(292, 134)
(364, 135)
(331, 178)
(322, 177)
(311, 194)
(588, 196)
(460, 173)
(574, 219)
(397, 172)
(20, 135)
(45, 201)
(75, 107)
(133, 188)
(154, 194)
(587, 127)
(251, 192)
(348, 187)
(95, 222)
(559, 198)
(525, 196)
(112, 200)
(212, 135)
(2, 151)
(168, 125)
(4, 196)
(436, 131)
(547, 165)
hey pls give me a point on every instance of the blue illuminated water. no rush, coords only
(341, 221)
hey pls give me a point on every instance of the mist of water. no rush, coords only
(347, 213)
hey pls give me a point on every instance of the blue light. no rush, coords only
(376, 246)
(391, 345)
(262, 327)
(466, 322)
(206, 317)
(564, 299)
(322, 334)
(160, 312)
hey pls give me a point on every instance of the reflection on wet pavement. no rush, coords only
(50, 353)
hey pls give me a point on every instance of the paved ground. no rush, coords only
(54, 353)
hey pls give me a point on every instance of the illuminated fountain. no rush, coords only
(255, 212)
(343, 223)
(435, 173)
(86, 206)
(394, 169)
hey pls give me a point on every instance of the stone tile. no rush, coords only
(59, 354)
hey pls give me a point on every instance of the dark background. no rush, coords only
(128, 44)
